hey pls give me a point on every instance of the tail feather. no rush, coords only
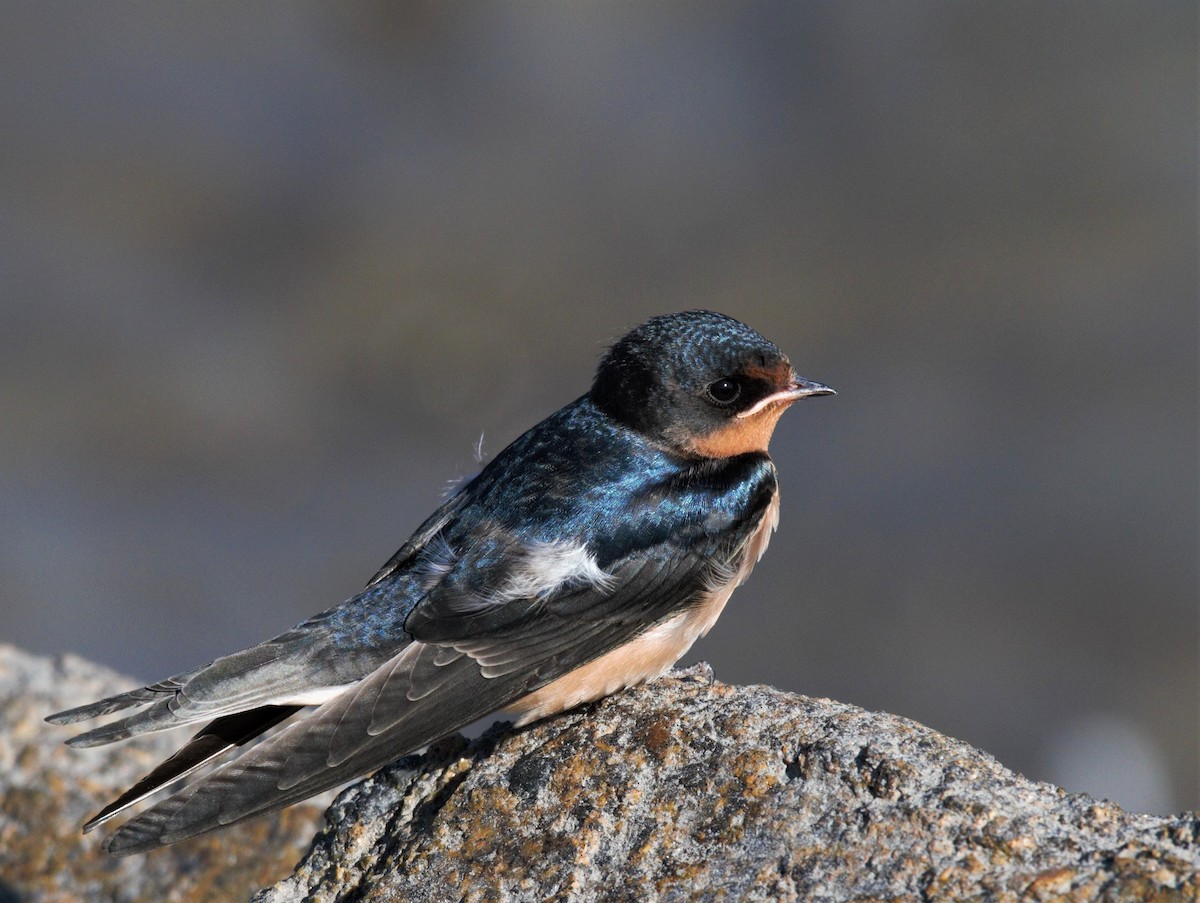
(142, 695)
(334, 744)
(158, 716)
(209, 744)
(267, 674)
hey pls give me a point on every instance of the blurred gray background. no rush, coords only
(269, 270)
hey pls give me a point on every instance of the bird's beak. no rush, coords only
(800, 388)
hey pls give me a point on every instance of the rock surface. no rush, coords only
(47, 790)
(683, 790)
(692, 790)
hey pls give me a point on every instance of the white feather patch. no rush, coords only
(436, 561)
(541, 569)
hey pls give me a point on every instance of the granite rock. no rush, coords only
(47, 790)
(685, 789)
(688, 789)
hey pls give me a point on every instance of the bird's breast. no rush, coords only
(654, 651)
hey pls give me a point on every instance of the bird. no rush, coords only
(584, 558)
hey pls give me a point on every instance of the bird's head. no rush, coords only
(700, 384)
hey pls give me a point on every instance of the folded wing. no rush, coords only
(455, 673)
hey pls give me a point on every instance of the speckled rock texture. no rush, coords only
(688, 789)
(47, 790)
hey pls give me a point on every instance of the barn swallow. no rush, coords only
(586, 557)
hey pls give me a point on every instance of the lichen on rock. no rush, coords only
(47, 790)
(684, 789)
(688, 789)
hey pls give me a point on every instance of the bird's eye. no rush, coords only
(725, 390)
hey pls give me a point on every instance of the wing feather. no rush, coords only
(206, 746)
(421, 694)
(472, 654)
